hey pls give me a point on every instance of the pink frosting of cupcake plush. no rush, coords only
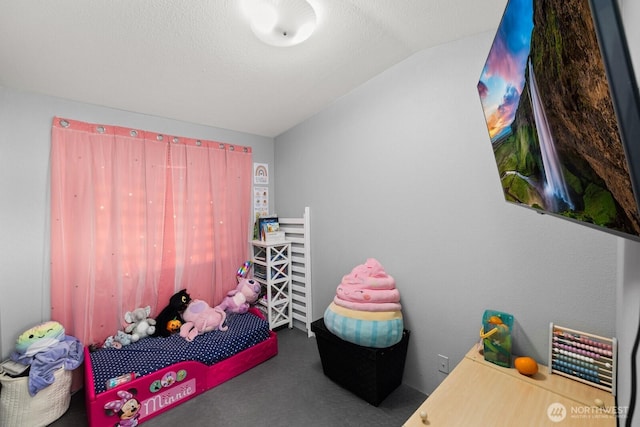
(368, 288)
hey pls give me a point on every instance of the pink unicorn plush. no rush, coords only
(240, 299)
(200, 317)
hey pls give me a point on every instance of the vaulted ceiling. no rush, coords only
(198, 61)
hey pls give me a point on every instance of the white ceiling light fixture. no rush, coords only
(281, 22)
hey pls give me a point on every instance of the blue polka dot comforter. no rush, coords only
(151, 354)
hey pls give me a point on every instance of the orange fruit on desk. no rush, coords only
(526, 365)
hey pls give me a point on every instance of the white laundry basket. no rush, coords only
(19, 408)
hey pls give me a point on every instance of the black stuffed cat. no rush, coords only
(165, 320)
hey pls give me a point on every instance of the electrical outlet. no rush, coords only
(443, 364)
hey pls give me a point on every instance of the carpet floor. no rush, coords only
(287, 390)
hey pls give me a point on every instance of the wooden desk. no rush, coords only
(479, 393)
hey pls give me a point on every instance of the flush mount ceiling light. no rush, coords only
(281, 22)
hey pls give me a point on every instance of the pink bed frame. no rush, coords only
(171, 386)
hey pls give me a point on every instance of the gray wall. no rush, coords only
(401, 170)
(25, 130)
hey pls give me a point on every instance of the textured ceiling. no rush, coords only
(198, 61)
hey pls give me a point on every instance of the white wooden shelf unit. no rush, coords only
(272, 269)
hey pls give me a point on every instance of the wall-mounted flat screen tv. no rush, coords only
(561, 104)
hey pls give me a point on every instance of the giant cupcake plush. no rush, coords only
(366, 309)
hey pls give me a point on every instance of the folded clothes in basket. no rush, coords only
(45, 348)
(13, 369)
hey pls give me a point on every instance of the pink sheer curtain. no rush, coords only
(137, 216)
(211, 197)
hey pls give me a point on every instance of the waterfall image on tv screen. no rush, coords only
(551, 120)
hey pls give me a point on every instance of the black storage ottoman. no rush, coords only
(370, 373)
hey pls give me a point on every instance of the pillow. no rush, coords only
(39, 338)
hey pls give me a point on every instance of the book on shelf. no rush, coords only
(260, 272)
(266, 225)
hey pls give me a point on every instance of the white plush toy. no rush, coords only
(139, 323)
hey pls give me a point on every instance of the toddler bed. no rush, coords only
(169, 371)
